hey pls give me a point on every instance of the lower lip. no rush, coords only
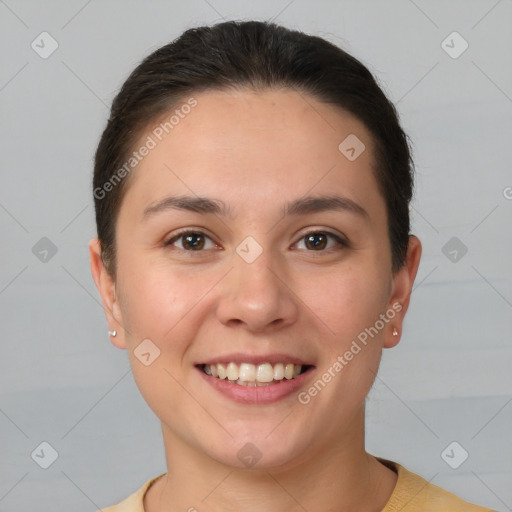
(257, 394)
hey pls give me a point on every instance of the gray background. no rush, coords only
(61, 381)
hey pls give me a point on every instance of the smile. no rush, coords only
(251, 375)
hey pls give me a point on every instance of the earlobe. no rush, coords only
(402, 285)
(107, 288)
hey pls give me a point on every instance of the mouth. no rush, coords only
(255, 375)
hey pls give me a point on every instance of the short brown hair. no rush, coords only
(256, 55)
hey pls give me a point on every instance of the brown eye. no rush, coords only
(318, 240)
(192, 241)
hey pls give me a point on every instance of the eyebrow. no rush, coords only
(301, 206)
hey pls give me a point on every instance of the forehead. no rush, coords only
(259, 146)
(271, 116)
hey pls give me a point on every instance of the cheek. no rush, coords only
(156, 299)
(163, 389)
(347, 299)
(349, 307)
(158, 307)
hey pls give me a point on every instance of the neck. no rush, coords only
(337, 477)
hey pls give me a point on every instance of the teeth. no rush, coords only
(232, 371)
(253, 375)
(265, 373)
(247, 372)
(221, 370)
(279, 371)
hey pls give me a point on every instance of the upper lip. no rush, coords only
(239, 358)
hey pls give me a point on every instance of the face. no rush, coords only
(262, 282)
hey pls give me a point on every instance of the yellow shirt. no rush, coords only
(412, 493)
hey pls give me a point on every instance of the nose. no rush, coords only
(257, 296)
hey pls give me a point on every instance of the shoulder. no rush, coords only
(413, 493)
(134, 502)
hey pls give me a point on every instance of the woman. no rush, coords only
(252, 193)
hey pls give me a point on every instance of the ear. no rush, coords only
(107, 287)
(401, 290)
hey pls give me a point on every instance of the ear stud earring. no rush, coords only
(112, 333)
(395, 332)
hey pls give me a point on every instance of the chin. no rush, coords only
(259, 452)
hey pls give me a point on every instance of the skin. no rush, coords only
(256, 151)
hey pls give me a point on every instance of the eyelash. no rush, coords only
(341, 242)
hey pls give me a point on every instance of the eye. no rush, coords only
(319, 239)
(193, 241)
